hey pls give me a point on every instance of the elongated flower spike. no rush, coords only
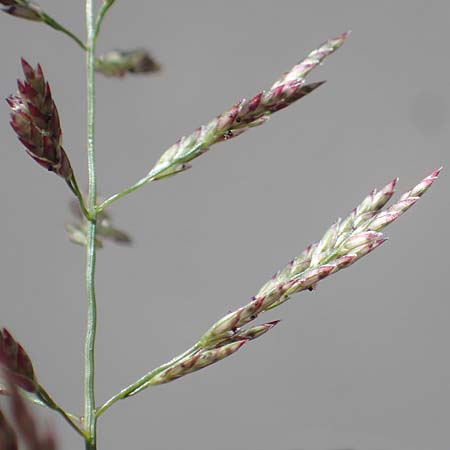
(16, 361)
(344, 243)
(22, 9)
(245, 114)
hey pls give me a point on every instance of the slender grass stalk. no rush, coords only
(90, 420)
(134, 388)
(143, 181)
(26, 9)
(69, 418)
(73, 185)
(57, 26)
(101, 15)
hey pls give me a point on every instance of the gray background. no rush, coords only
(360, 363)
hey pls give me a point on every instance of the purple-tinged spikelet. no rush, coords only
(197, 361)
(35, 119)
(344, 243)
(22, 9)
(16, 361)
(245, 114)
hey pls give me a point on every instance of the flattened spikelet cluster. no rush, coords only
(35, 119)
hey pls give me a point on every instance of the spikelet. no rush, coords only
(35, 119)
(245, 114)
(23, 9)
(344, 243)
(16, 362)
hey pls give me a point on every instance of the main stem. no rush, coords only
(90, 421)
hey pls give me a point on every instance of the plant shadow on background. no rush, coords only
(35, 120)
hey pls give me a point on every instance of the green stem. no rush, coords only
(89, 374)
(69, 418)
(127, 191)
(101, 14)
(73, 185)
(133, 388)
(90, 420)
(153, 175)
(57, 26)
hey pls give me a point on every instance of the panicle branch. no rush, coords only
(344, 243)
(25, 9)
(18, 369)
(245, 114)
(201, 357)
